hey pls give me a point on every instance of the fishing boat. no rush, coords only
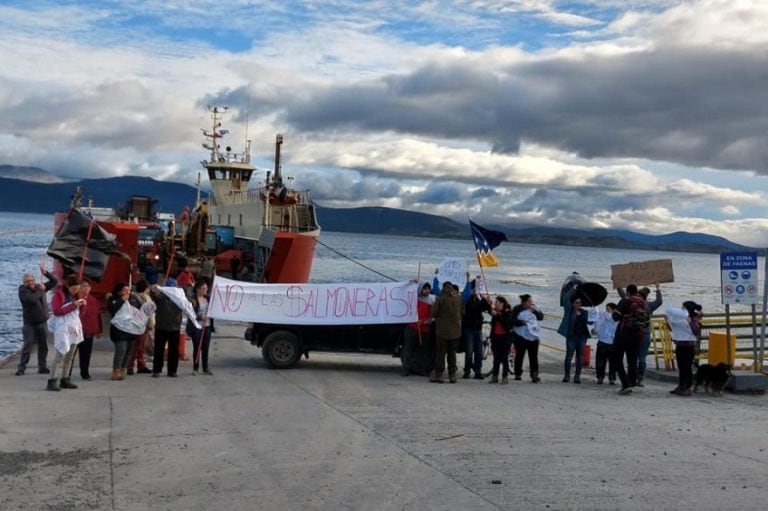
(273, 226)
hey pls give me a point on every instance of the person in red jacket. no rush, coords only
(416, 336)
(90, 317)
(65, 300)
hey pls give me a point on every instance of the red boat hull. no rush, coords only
(290, 259)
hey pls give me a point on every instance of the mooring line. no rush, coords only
(356, 262)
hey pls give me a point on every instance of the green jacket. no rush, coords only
(447, 311)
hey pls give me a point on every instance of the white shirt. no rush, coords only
(679, 323)
(605, 327)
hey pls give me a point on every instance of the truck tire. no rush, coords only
(281, 349)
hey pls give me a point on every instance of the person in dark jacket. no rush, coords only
(576, 337)
(35, 313)
(122, 340)
(645, 343)
(526, 336)
(501, 339)
(628, 337)
(472, 328)
(167, 332)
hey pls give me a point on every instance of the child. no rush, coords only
(605, 330)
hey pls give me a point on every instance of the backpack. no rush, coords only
(638, 318)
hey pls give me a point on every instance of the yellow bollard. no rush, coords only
(718, 348)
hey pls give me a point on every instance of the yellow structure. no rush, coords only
(718, 348)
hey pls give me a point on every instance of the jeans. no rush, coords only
(34, 335)
(532, 348)
(642, 354)
(197, 336)
(446, 347)
(473, 350)
(574, 344)
(500, 346)
(122, 354)
(684, 353)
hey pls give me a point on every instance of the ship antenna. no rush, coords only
(197, 200)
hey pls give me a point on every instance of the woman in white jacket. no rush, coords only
(685, 327)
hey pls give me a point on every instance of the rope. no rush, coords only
(356, 262)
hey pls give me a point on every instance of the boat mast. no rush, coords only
(213, 146)
(277, 178)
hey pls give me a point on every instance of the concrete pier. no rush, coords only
(348, 432)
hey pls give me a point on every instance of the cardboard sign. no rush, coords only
(642, 273)
(314, 304)
(453, 270)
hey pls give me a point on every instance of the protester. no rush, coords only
(201, 337)
(234, 267)
(64, 302)
(605, 330)
(186, 281)
(501, 342)
(526, 337)
(645, 343)
(447, 312)
(632, 317)
(35, 314)
(90, 318)
(123, 340)
(167, 333)
(685, 327)
(576, 337)
(472, 328)
(416, 335)
(136, 359)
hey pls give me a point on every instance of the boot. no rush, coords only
(535, 377)
(504, 380)
(451, 377)
(122, 373)
(116, 375)
(436, 378)
(52, 385)
(66, 383)
(494, 378)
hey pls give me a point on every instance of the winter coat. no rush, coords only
(33, 305)
(447, 312)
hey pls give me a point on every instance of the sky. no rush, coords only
(647, 115)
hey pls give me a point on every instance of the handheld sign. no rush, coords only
(453, 270)
(642, 273)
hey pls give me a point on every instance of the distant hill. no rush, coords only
(33, 174)
(35, 197)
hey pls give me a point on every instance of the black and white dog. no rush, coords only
(712, 377)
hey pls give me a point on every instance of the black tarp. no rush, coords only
(69, 245)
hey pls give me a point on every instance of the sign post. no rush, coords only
(738, 283)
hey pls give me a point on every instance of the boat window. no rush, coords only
(241, 219)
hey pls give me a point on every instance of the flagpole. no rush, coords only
(418, 290)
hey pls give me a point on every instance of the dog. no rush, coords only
(712, 377)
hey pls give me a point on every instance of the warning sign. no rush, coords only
(738, 277)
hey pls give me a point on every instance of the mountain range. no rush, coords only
(42, 192)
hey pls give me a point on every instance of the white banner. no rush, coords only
(314, 304)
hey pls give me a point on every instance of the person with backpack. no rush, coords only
(645, 342)
(633, 319)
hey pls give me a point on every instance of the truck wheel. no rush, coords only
(281, 349)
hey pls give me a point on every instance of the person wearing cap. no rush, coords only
(685, 328)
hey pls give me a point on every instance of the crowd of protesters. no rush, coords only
(450, 321)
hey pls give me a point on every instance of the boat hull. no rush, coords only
(290, 259)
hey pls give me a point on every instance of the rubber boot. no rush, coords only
(66, 383)
(494, 379)
(116, 375)
(52, 385)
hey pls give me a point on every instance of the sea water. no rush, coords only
(538, 270)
